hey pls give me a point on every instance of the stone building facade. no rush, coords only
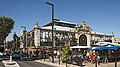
(41, 37)
(86, 37)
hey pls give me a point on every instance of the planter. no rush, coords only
(10, 63)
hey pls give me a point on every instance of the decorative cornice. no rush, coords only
(83, 27)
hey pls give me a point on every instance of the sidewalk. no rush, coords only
(56, 64)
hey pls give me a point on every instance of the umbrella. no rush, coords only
(113, 47)
(98, 48)
(104, 47)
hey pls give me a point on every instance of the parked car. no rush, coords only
(1, 55)
(16, 55)
(0, 58)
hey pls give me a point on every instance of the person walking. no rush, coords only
(98, 59)
(88, 56)
(58, 54)
(92, 57)
(106, 59)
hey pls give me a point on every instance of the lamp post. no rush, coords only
(25, 38)
(52, 29)
(23, 27)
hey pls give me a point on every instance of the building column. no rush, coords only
(37, 35)
(113, 37)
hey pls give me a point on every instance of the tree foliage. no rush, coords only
(66, 52)
(6, 25)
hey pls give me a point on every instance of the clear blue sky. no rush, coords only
(101, 15)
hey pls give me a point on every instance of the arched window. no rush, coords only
(83, 40)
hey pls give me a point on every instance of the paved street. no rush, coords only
(1, 64)
(42, 63)
(32, 64)
(111, 64)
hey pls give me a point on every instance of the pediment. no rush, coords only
(83, 27)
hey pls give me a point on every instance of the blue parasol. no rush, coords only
(104, 47)
(113, 47)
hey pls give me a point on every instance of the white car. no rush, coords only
(1, 54)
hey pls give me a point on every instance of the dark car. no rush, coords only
(0, 58)
(16, 55)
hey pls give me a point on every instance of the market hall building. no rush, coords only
(41, 37)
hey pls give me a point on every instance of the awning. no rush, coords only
(102, 43)
(106, 43)
(116, 44)
(80, 47)
(113, 47)
(104, 47)
(99, 48)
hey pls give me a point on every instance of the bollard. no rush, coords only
(10, 58)
(44, 58)
(115, 63)
(59, 59)
(66, 62)
(95, 61)
(81, 62)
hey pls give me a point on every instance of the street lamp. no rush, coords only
(23, 27)
(52, 29)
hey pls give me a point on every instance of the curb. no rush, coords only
(49, 63)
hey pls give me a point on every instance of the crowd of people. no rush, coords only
(38, 54)
(86, 56)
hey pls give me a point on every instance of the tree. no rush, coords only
(66, 52)
(6, 25)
